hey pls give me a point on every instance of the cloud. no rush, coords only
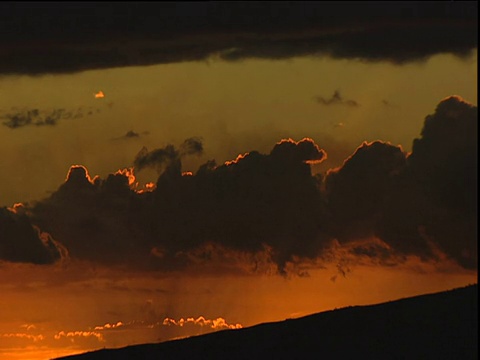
(216, 324)
(357, 190)
(439, 189)
(336, 99)
(21, 241)
(131, 134)
(26, 336)
(268, 213)
(109, 326)
(167, 155)
(115, 35)
(170, 227)
(388, 103)
(424, 203)
(79, 334)
(17, 118)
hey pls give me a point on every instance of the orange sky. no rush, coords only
(158, 233)
(69, 310)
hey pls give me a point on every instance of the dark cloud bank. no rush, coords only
(265, 209)
(40, 37)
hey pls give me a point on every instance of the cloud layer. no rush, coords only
(264, 211)
(39, 39)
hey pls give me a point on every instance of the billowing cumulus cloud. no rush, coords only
(40, 39)
(336, 99)
(260, 203)
(436, 199)
(267, 212)
(356, 192)
(424, 203)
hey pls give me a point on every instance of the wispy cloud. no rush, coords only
(336, 99)
(131, 134)
(18, 118)
(25, 336)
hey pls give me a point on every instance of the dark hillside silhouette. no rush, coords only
(435, 326)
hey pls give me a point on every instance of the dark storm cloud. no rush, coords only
(443, 171)
(258, 203)
(38, 38)
(417, 204)
(20, 241)
(358, 190)
(17, 118)
(336, 99)
(268, 210)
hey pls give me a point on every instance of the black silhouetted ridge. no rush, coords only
(435, 326)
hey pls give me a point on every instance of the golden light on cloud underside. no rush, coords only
(99, 95)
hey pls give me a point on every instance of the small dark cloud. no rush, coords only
(131, 134)
(336, 99)
(18, 118)
(161, 157)
(192, 146)
(389, 104)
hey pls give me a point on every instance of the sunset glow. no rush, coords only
(277, 167)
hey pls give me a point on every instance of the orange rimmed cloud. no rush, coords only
(305, 150)
(17, 208)
(109, 326)
(79, 173)
(129, 173)
(216, 324)
(79, 334)
(237, 159)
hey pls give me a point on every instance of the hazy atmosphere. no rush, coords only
(173, 169)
